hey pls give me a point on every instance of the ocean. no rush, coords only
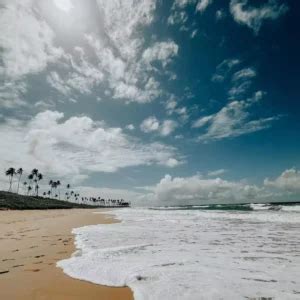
(195, 252)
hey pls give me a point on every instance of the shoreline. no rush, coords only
(31, 243)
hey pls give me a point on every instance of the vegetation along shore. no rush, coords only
(26, 194)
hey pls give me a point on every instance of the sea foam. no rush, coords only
(192, 254)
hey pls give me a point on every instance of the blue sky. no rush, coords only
(182, 101)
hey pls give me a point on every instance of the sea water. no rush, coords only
(194, 253)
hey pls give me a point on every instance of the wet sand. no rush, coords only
(31, 242)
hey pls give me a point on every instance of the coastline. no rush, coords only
(31, 242)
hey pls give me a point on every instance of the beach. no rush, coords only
(31, 243)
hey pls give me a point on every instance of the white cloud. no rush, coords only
(162, 52)
(115, 58)
(122, 21)
(220, 14)
(202, 121)
(177, 17)
(245, 73)
(172, 108)
(130, 127)
(26, 40)
(11, 94)
(216, 172)
(202, 5)
(152, 124)
(167, 127)
(43, 105)
(194, 33)
(58, 83)
(77, 145)
(289, 180)
(253, 17)
(83, 77)
(122, 56)
(239, 89)
(224, 68)
(233, 120)
(172, 162)
(182, 3)
(132, 78)
(241, 82)
(196, 189)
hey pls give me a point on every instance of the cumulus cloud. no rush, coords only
(76, 145)
(152, 124)
(196, 189)
(253, 17)
(233, 120)
(289, 180)
(130, 127)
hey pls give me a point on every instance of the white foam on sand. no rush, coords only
(192, 254)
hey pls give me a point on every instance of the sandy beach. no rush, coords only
(31, 242)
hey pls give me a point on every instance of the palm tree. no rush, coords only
(36, 176)
(19, 172)
(57, 185)
(51, 186)
(39, 177)
(30, 177)
(29, 188)
(10, 173)
(68, 186)
(37, 189)
(25, 183)
(35, 172)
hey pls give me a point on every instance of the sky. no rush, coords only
(156, 102)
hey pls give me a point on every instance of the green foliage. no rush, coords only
(22, 202)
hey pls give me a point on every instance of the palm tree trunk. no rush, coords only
(10, 182)
(19, 183)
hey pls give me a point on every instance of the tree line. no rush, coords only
(31, 187)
